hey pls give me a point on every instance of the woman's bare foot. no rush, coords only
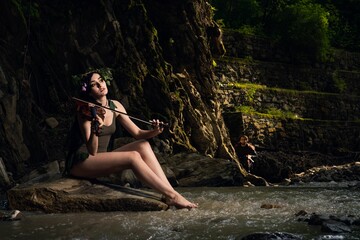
(180, 202)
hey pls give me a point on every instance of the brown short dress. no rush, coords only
(82, 153)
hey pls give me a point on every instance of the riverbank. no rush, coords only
(224, 213)
(41, 191)
(282, 166)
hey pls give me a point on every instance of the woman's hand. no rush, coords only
(97, 120)
(157, 125)
(96, 124)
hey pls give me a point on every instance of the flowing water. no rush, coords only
(224, 213)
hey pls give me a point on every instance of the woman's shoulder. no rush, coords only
(116, 105)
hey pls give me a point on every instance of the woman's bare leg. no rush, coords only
(103, 164)
(147, 154)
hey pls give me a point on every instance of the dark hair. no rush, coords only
(244, 136)
(85, 87)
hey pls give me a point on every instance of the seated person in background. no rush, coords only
(245, 151)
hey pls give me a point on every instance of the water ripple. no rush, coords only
(224, 213)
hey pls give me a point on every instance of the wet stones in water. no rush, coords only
(329, 223)
(12, 216)
(271, 236)
(270, 206)
(333, 226)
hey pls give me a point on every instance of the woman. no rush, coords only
(92, 159)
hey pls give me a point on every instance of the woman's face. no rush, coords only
(98, 86)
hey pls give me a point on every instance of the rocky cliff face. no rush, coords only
(301, 116)
(160, 55)
(289, 106)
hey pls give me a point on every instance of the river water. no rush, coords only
(224, 213)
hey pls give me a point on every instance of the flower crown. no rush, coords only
(106, 74)
(83, 86)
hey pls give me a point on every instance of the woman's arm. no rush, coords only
(90, 138)
(132, 128)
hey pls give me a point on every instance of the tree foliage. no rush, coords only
(344, 23)
(311, 26)
(304, 27)
(237, 13)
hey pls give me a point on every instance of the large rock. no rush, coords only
(73, 195)
(277, 166)
(346, 172)
(197, 170)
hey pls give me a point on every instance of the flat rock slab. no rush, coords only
(72, 195)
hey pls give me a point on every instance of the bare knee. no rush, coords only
(144, 144)
(134, 157)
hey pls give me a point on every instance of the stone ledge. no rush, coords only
(72, 195)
